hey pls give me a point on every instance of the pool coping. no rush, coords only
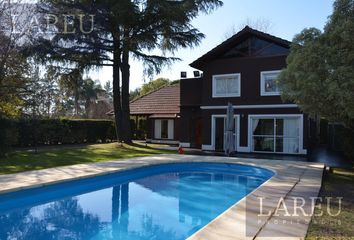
(241, 221)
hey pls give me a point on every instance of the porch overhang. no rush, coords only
(164, 115)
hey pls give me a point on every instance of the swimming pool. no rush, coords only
(166, 201)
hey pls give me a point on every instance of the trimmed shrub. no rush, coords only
(34, 132)
(8, 135)
(341, 139)
(348, 143)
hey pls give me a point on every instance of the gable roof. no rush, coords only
(234, 40)
(165, 100)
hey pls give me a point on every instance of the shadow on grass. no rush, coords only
(142, 145)
(145, 148)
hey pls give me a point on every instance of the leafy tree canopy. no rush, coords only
(13, 86)
(153, 85)
(149, 87)
(15, 67)
(320, 72)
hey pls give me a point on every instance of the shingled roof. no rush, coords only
(165, 100)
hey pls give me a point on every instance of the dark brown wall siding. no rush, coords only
(250, 69)
(176, 134)
(187, 129)
(186, 115)
(191, 91)
(191, 97)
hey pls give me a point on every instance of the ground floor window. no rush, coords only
(164, 129)
(278, 134)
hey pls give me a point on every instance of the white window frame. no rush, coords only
(170, 129)
(262, 87)
(214, 95)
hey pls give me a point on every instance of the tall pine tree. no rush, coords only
(120, 29)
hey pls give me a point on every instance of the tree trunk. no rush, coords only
(49, 104)
(87, 107)
(76, 99)
(116, 93)
(127, 138)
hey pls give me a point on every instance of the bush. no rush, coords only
(348, 143)
(35, 132)
(341, 139)
(8, 135)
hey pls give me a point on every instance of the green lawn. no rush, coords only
(340, 183)
(47, 158)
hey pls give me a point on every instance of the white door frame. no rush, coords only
(237, 127)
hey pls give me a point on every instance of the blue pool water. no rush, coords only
(167, 201)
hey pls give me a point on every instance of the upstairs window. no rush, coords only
(256, 47)
(227, 85)
(269, 83)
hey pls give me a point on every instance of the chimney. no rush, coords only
(183, 74)
(196, 74)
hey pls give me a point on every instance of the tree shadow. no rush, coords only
(140, 146)
(57, 220)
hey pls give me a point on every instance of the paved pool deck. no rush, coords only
(281, 208)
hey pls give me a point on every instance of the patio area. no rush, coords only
(318, 155)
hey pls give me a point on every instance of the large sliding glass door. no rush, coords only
(275, 134)
(263, 135)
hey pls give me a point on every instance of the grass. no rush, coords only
(340, 183)
(62, 156)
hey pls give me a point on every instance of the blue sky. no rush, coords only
(287, 17)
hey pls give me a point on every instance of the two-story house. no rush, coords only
(243, 70)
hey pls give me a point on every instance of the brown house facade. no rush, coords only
(155, 116)
(158, 112)
(243, 70)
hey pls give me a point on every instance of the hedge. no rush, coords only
(8, 135)
(341, 139)
(34, 132)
